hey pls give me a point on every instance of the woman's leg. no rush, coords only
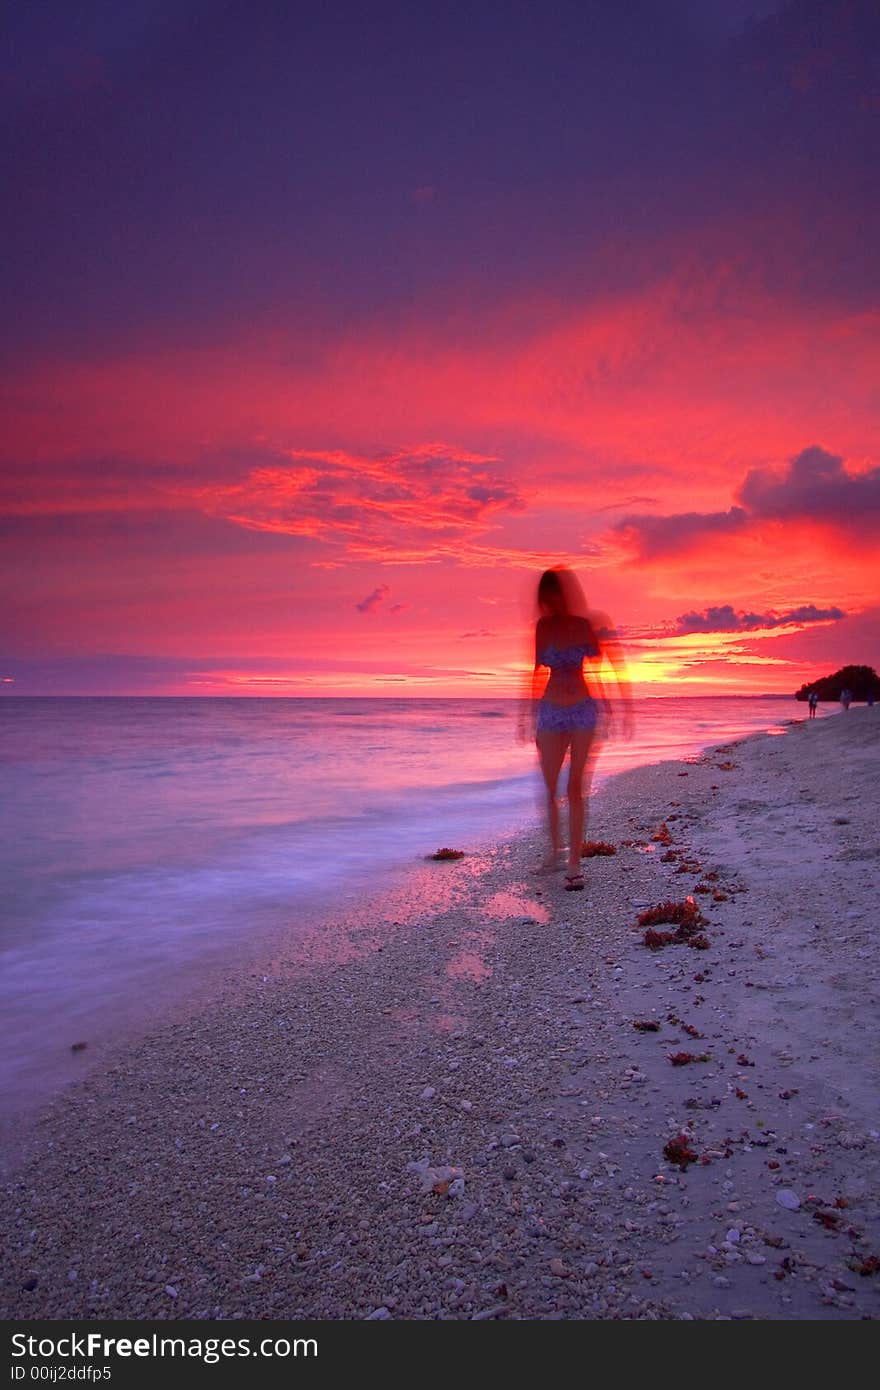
(551, 751)
(580, 776)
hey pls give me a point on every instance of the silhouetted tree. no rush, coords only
(862, 681)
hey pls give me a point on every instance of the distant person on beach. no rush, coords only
(565, 716)
(845, 699)
(812, 701)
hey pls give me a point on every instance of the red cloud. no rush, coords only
(672, 382)
(418, 504)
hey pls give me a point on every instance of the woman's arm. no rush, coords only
(612, 652)
(534, 685)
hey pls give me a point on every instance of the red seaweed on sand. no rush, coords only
(828, 1219)
(447, 854)
(684, 916)
(654, 940)
(678, 1150)
(591, 848)
(681, 914)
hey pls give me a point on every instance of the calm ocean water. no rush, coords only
(139, 836)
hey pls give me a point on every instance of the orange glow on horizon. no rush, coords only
(398, 494)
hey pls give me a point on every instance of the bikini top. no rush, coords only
(567, 658)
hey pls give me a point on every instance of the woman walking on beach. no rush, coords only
(566, 716)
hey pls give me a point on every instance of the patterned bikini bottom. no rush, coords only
(565, 719)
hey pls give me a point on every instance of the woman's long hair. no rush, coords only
(559, 585)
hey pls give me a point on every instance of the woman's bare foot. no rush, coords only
(550, 863)
(574, 879)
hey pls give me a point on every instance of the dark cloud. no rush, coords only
(725, 619)
(378, 599)
(664, 535)
(483, 494)
(856, 640)
(814, 485)
(373, 600)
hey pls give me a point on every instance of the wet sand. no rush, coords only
(456, 1117)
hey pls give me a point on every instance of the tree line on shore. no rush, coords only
(862, 682)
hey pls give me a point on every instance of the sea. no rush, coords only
(142, 838)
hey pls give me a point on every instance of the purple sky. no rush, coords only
(309, 303)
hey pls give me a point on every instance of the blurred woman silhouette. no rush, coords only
(567, 713)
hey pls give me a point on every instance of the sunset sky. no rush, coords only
(327, 327)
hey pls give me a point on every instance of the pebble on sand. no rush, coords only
(788, 1199)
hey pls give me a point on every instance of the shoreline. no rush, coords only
(268, 1159)
(132, 974)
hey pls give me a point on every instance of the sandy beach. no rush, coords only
(459, 1118)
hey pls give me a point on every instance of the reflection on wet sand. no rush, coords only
(453, 1024)
(468, 964)
(517, 901)
(469, 961)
